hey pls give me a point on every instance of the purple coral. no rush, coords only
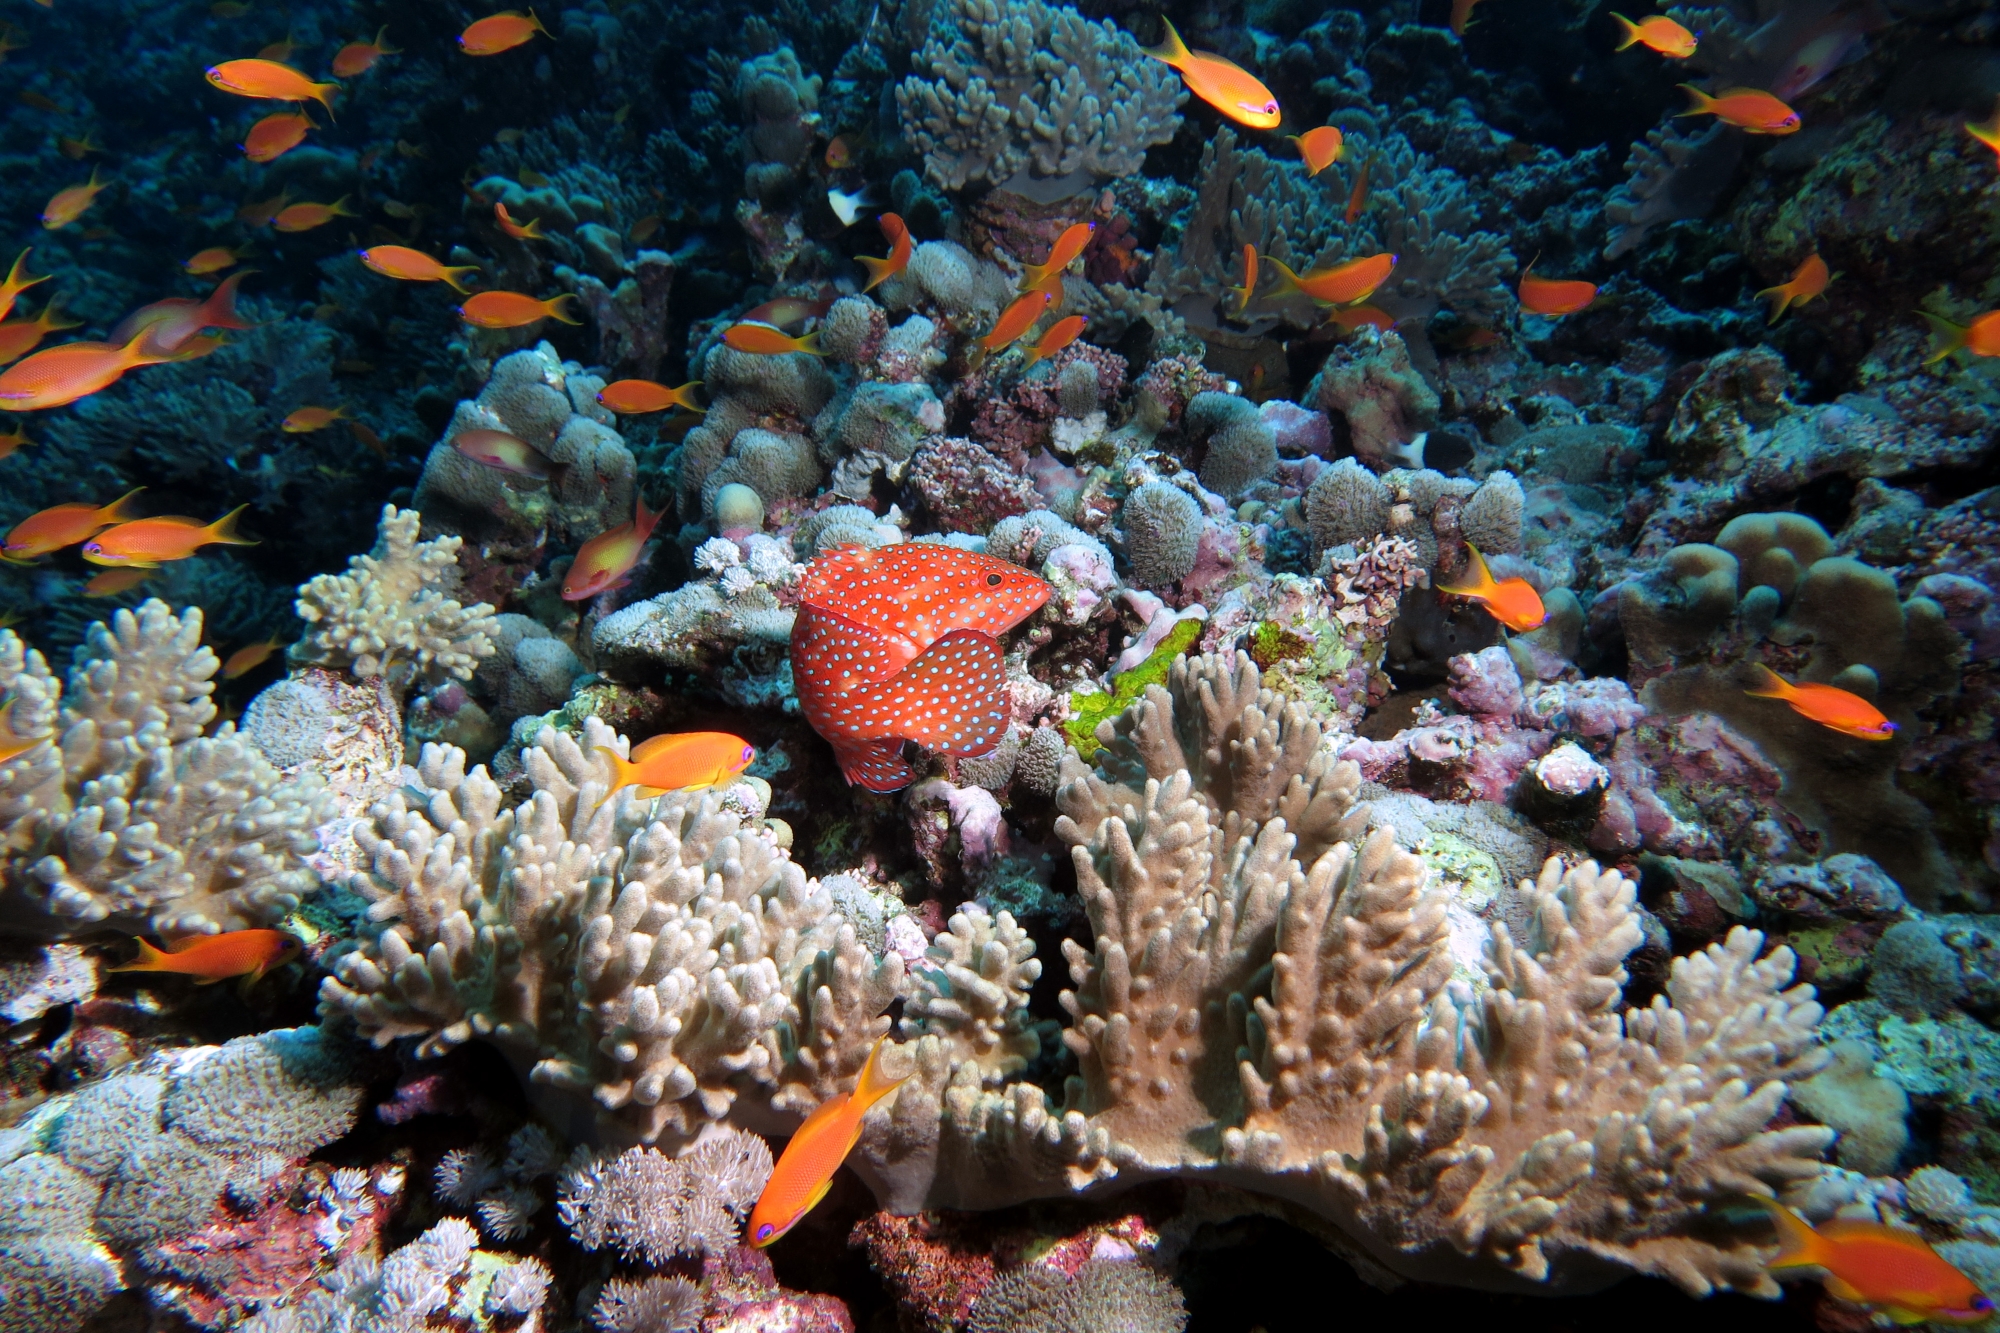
(965, 487)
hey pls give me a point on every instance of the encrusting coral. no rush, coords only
(129, 817)
(1265, 1003)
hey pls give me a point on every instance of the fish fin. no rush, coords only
(1700, 102)
(624, 773)
(120, 510)
(224, 529)
(874, 1084)
(450, 275)
(1288, 281)
(16, 273)
(382, 47)
(810, 344)
(1799, 1246)
(556, 311)
(875, 766)
(1631, 32)
(1771, 685)
(949, 698)
(1781, 300)
(1840, 1288)
(1171, 50)
(1483, 584)
(1950, 337)
(879, 270)
(219, 311)
(149, 960)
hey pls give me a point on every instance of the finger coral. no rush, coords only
(129, 817)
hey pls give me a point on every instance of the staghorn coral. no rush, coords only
(391, 614)
(1264, 1003)
(1034, 98)
(129, 818)
(657, 960)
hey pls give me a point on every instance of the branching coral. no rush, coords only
(128, 817)
(663, 958)
(391, 614)
(1264, 1002)
(1029, 95)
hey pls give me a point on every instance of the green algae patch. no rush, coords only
(1087, 710)
(1464, 863)
(1271, 643)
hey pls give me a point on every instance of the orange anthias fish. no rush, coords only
(1987, 133)
(1047, 275)
(146, 542)
(1748, 109)
(213, 958)
(17, 282)
(512, 310)
(171, 325)
(1353, 317)
(1841, 710)
(1981, 337)
(260, 213)
(605, 561)
(1060, 335)
(900, 250)
(308, 419)
(114, 581)
(784, 311)
(66, 206)
(279, 51)
(1017, 319)
(212, 260)
(1248, 290)
(1889, 1269)
(682, 760)
(247, 658)
(506, 453)
(271, 81)
(1656, 32)
(1808, 280)
(763, 340)
(1461, 15)
(840, 153)
(11, 745)
(631, 397)
(528, 231)
(1357, 200)
(901, 644)
(400, 261)
(1343, 284)
(77, 149)
(52, 529)
(1554, 296)
(18, 337)
(1513, 602)
(58, 376)
(360, 57)
(304, 217)
(500, 32)
(275, 135)
(804, 1172)
(1222, 83)
(1320, 148)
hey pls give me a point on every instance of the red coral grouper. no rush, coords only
(899, 644)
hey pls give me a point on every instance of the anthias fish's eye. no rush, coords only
(764, 1232)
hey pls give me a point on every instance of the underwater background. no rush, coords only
(980, 665)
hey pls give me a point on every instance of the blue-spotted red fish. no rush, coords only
(900, 644)
(212, 958)
(681, 760)
(805, 1170)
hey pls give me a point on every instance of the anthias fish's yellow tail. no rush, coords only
(1288, 282)
(624, 773)
(1482, 578)
(874, 1084)
(879, 270)
(1171, 49)
(1699, 102)
(224, 529)
(1771, 685)
(149, 960)
(1799, 1246)
(1947, 337)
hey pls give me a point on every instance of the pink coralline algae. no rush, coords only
(1711, 773)
(1301, 433)
(1173, 382)
(744, 1297)
(1016, 423)
(965, 487)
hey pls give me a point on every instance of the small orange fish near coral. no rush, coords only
(503, 452)
(1981, 337)
(17, 282)
(512, 310)
(1357, 201)
(682, 760)
(804, 1172)
(1248, 290)
(304, 217)
(1060, 335)
(360, 57)
(212, 260)
(1748, 109)
(1889, 1269)
(1343, 284)
(212, 958)
(1513, 602)
(784, 311)
(11, 745)
(18, 337)
(1841, 710)
(275, 135)
(898, 259)
(763, 340)
(1354, 317)
(146, 542)
(171, 325)
(840, 153)
(54, 528)
(66, 206)
(606, 560)
(530, 230)
(279, 52)
(77, 149)
(1656, 32)
(245, 659)
(1320, 148)
(630, 397)
(308, 419)
(271, 81)
(400, 261)
(1017, 319)
(500, 32)
(58, 376)
(114, 581)
(1554, 296)
(1808, 280)
(1047, 275)
(1220, 82)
